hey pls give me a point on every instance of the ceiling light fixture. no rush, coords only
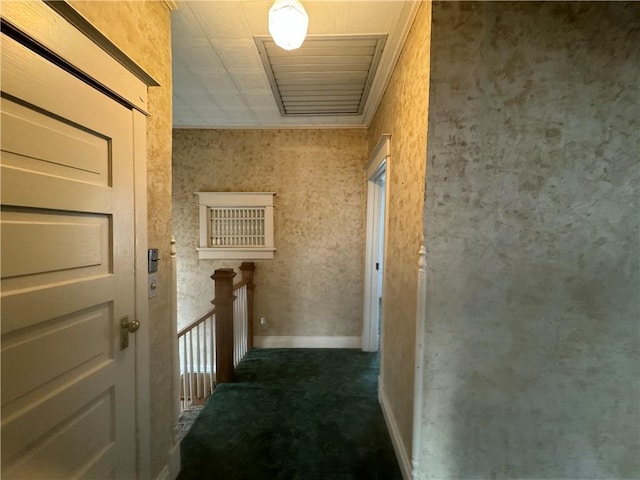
(288, 22)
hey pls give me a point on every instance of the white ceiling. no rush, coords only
(218, 77)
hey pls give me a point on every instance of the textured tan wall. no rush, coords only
(403, 113)
(143, 31)
(314, 285)
(533, 238)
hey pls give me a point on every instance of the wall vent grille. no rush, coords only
(232, 227)
(236, 225)
(326, 76)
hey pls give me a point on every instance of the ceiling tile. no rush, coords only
(184, 24)
(215, 59)
(252, 81)
(215, 81)
(221, 19)
(185, 81)
(238, 54)
(256, 14)
(197, 54)
(266, 117)
(327, 17)
(260, 100)
(373, 17)
(198, 99)
(239, 115)
(229, 100)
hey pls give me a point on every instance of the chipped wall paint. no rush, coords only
(314, 285)
(531, 227)
(403, 114)
(143, 31)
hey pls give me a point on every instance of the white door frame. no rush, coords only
(378, 167)
(71, 37)
(143, 390)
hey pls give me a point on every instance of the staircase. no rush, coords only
(211, 346)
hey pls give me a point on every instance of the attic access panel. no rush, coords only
(326, 76)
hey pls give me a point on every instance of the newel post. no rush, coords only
(247, 269)
(223, 278)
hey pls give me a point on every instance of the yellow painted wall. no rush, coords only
(143, 31)
(403, 114)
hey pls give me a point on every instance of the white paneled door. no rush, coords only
(68, 378)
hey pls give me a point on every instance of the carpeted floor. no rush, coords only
(293, 414)
(186, 420)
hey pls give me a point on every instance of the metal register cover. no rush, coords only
(326, 76)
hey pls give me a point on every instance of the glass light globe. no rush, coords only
(288, 23)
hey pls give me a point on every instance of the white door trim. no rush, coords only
(65, 38)
(378, 166)
(418, 382)
(143, 384)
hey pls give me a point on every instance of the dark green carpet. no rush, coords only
(303, 414)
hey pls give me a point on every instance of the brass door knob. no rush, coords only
(126, 327)
(132, 326)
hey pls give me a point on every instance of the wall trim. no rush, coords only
(92, 55)
(394, 432)
(171, 4)
(409, 12)
(355, 126)
(306, 342)
(418, 379)
(172, 468)
(375, 230)
(164, 474)
(174, 452)
(174, 461)
(142, 338)
(75, 18)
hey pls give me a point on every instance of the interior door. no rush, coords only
(374, 255)
(67, 274)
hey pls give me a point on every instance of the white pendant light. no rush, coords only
(288, 22)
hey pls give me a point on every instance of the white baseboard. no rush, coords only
(164, 474)
(398, 446)
(307, 342)
(172, 469)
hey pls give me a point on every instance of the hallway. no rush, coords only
(307, 414)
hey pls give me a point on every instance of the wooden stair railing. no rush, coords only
(247, 269)
(212, 345)
(223, 301)
(196, 344)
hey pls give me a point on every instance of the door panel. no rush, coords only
(63, 150)
(66, 276)
(89, 333)
(52, 453)
(54, 244)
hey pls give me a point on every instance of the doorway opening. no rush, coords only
(377, 175)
